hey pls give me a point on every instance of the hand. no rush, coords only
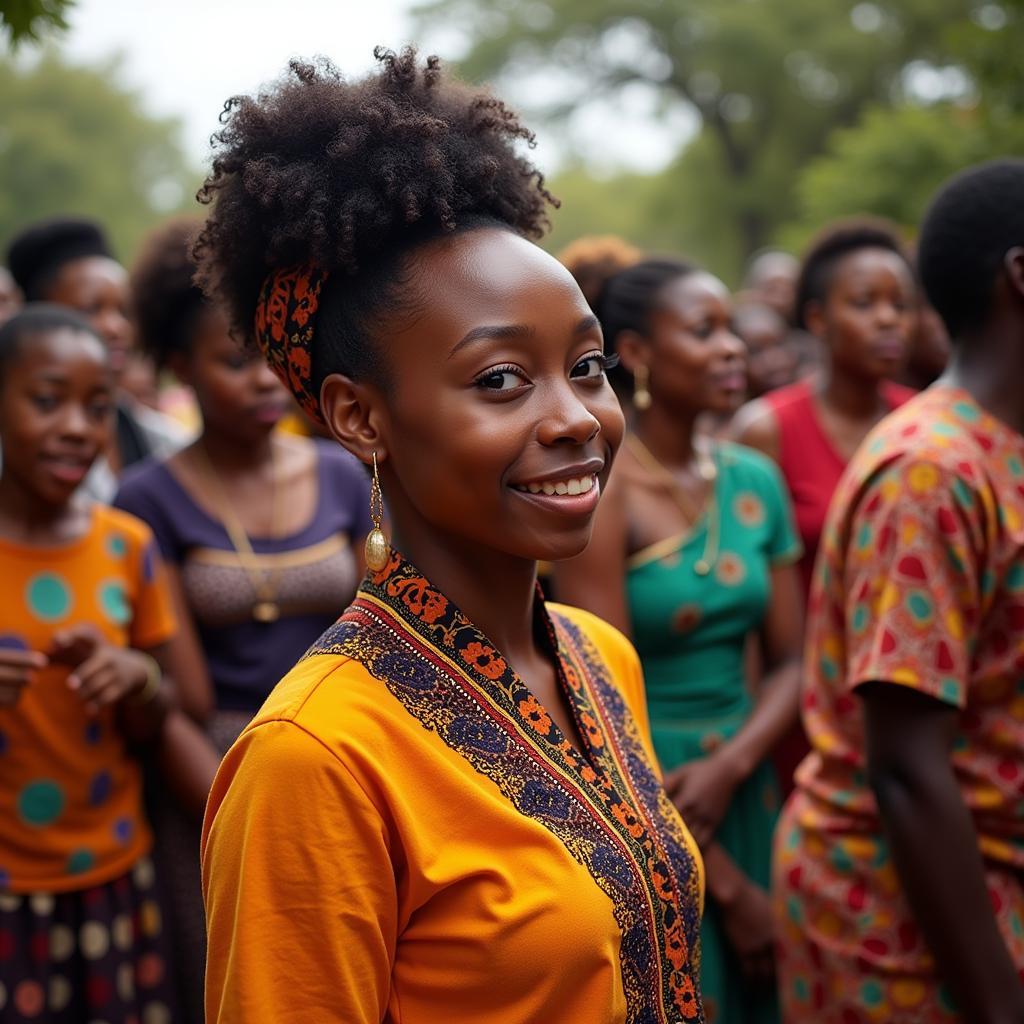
(17, 669)
(701, 790)
(749, 926)
(102, 674)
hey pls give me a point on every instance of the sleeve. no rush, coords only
(138, 494)
(784, 547)
(914, 566)
(153, 621)
(301, 900)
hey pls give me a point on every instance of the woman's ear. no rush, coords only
(814, 317)
(1013, 261)
(633, 350)
(181, 366)
(356, 416)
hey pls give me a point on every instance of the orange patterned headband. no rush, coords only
(285, 319)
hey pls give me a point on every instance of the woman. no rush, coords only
(68, 261)
(856, 293)
(899, 857)
(262, 534)
(694, 554)
(450, 806)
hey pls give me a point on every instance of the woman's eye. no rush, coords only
(593, 367)
(703, 330)
(504, 378)
(45, 403)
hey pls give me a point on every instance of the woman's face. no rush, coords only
(238, 394)
(696, 363)
(499, 426)
(56, 413)
(869, 315)
(97, 287)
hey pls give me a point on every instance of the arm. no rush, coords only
(755, 426)
(594, 579)
(300, 888)
(188, 762)
(909, 740)
(702, 789)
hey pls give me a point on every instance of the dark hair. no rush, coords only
(973, 221)
(165, 297)
(837, 241)
(35, 320)
(36, 254)
(351, 176)
(593, 259)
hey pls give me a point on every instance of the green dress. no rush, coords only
(691, 632)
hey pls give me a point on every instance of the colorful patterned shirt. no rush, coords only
(70, 792)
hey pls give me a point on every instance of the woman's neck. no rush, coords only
(669, 435)
(232, 456)
(856, 398)
(24, 516)
(990, 368)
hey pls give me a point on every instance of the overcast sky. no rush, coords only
(187, 56)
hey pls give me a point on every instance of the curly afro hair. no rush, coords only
(971, 224)
(165, 297)
(827, 251)
(351, 176)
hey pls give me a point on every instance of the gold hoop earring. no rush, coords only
(377, 548)
(641, 396)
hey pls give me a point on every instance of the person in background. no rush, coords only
(85, 620)
(10, 295)
(262, 532)
(900, 858)
(772, 359)
(69, 261)
(595, 258)
(693, 554)
(449, 810)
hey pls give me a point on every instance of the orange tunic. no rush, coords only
(404, 835)
(70, 792)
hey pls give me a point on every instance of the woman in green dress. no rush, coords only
(693, 555)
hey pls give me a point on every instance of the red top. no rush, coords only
(809, 461)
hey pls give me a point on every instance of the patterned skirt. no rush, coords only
(94, 955)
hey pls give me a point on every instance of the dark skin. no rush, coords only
(866, 323)
(696, 367)
(910, 737)
(240, 401)
(494, 383)
(55, 418)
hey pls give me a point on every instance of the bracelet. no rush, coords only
(153, 676)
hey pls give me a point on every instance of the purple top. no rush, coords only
(312, 572)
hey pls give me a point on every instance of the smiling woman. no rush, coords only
(450, 806)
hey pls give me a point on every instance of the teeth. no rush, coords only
(578, 485)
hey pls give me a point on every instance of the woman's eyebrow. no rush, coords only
(504, 331)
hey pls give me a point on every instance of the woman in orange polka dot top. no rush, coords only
(693, 555)
(80, 929)
(899, 867)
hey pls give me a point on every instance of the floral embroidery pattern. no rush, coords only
(605, 804)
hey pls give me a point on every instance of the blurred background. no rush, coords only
(711, 127)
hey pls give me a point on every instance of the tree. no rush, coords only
(74, 142)
(770, 79)
(23, 20)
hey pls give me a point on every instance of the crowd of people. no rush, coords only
(289, 730)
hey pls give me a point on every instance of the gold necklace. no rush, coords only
(708, 471)
(265, 608)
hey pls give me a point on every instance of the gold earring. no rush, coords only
(641, 396)
(377, 548)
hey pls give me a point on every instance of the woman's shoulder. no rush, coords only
(117, 527)
(749, 467)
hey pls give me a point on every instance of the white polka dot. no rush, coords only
(121, 931)
(42, 903)
(94, 940)
(60, 992)
(143, 873)
(126, 982)
(156, 1013)
(9, 902)
(62, 942)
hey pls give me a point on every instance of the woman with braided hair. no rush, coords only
(450, 808)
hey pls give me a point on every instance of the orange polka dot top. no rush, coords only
(70, 792)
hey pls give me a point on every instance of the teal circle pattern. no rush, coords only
(48, 597)
(41, 803)
(114, 602)
(81, 861)
(117, 546)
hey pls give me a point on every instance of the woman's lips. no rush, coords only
(556, 496)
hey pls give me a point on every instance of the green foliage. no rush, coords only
(22, 20)
(74, 142)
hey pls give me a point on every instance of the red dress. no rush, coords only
(812, 468)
